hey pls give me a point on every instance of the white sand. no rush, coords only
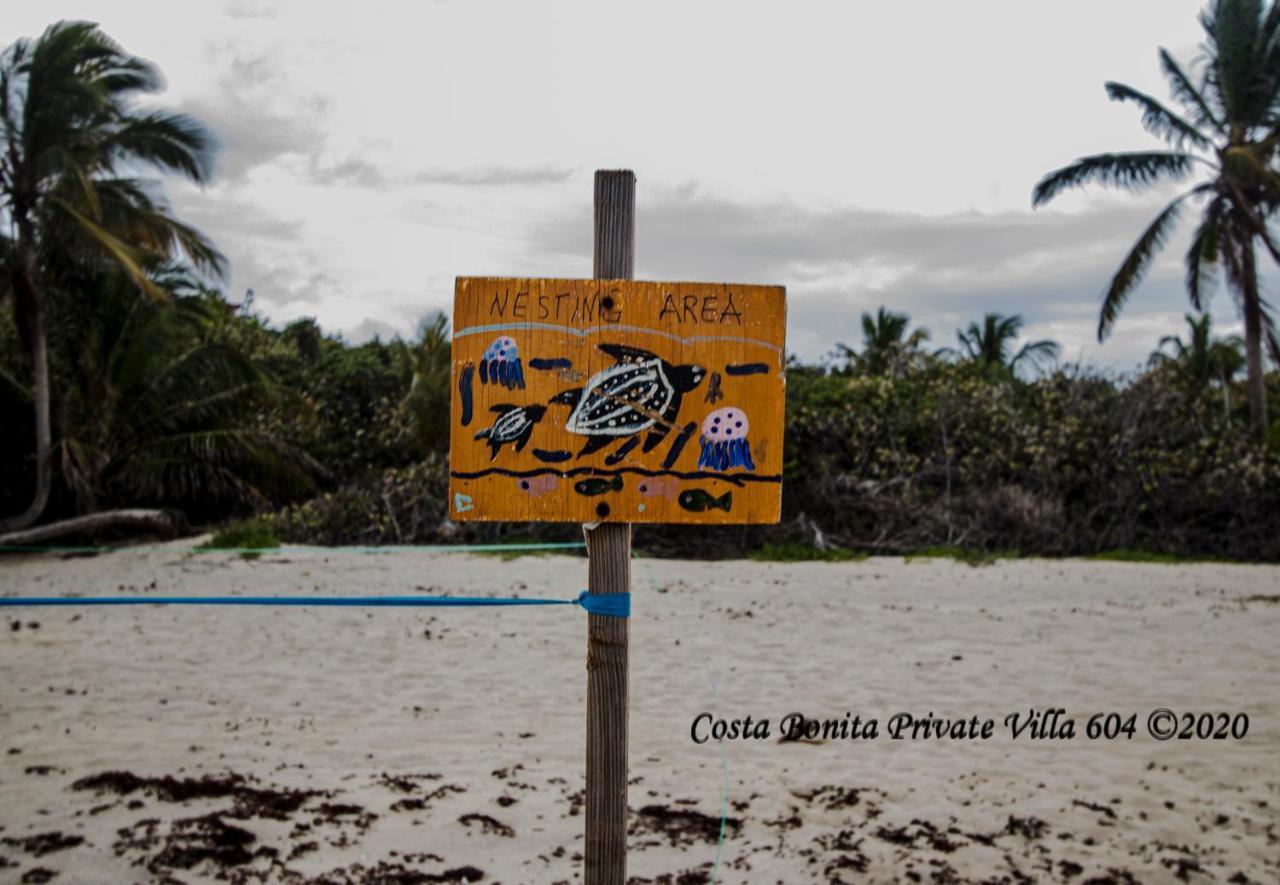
(480, 712)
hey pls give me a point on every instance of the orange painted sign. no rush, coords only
(627, 401)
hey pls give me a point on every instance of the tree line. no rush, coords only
(128, 380)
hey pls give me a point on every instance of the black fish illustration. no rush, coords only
(747, 369)
(464, 391)
(598, 485)
(550, 365)
(698, 501)
(514, 425)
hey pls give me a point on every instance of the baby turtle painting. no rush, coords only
(513, 425)
(640, 392)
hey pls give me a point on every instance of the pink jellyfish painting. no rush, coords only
(501, 364)
(724, 440)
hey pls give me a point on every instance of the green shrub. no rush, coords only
(1151, 556)
(249, 534)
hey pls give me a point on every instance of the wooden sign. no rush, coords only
(591, 400)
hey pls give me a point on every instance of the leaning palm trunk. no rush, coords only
(38, 342)
(1253, 340)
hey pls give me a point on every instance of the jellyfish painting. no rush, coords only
(724, 440)
(501, 364)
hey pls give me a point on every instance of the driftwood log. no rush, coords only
(166, 522)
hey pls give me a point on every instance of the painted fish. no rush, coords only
(698, 501)
(662, 486)
(537, 486)
(597, 485)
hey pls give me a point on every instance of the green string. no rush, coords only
(303, 548)
(724, 767)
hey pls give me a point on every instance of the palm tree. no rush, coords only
(1202, 359)
(158, 410)
(427, 401)
(990, 345)
(1230, 128)
(72, 146)
(887, 348)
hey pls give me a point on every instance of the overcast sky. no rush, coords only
(857, 153)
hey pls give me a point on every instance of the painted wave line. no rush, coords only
(735, 478)
(620, 327)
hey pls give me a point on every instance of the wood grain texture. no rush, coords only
(692, 375)
(609, 571)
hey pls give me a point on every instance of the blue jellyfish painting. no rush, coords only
(724, 440)
(501, 364)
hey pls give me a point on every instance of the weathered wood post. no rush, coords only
(622, 402)
(609, 571)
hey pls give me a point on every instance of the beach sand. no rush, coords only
(415, 745)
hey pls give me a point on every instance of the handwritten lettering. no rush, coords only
(562, 307)
(714, 310)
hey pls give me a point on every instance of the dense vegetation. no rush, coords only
(140, 385)
(950, 451)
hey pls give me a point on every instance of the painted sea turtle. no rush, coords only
(513, 425)
(640, 392)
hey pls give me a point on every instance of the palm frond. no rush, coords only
(1135, 265)
(235, 464)
(1233, 28)
(1036, 352)
(1186, 92)
(1205, 250)
(1273, 340)
(1159, 120)
(172, 142)
(1130, 170)
(123, 254)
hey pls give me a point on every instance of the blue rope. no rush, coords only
(615, 605)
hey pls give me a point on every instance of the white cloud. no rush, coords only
(859, 154)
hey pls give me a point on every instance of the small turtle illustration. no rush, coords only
(513, 425)
(640, 392)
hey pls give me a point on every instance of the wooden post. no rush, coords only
(609, 571)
